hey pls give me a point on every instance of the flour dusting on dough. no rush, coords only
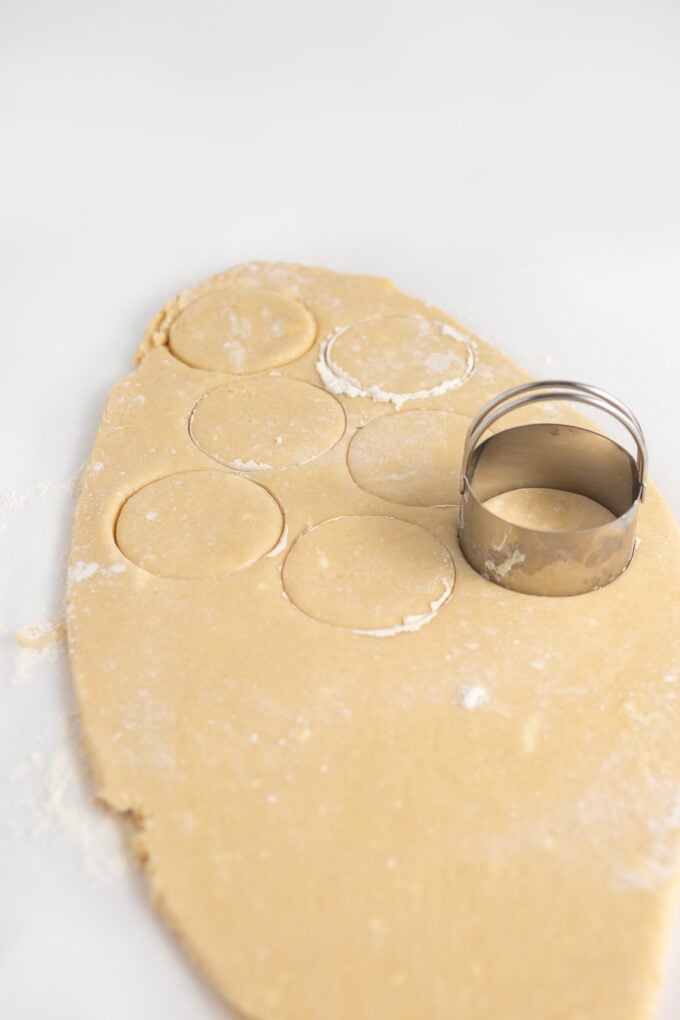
(339, 382)
(82, 571)
(474, 697)
(414, 621)
(534, 737)
(249, 465)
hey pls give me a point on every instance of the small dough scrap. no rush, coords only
(198, 524)
(242, 330)
(371, 574)
(411, 457)
(41, 635)
(549, 509)
(269, 422)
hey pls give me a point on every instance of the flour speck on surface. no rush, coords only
(474, 697)
(80, 571)
(29, 659)
(50, 797)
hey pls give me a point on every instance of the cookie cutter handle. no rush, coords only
(555, 389)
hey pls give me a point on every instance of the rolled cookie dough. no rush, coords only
(367, 783)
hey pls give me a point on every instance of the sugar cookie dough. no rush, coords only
(266, 422)
(549, 510)
(410, 457)
(198, 524)
(395, 358)
(241, 330)
(377, 575)
(366, 782)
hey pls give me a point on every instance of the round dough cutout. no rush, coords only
(397, 358)
(549, 510)
(242, 330)
(375, 575)
(198, 524)
(269, 422)
(410, 457)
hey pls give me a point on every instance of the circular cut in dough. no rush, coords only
(198, 524)
(549, 510)
(266, 423)
(242, 330)
(375, 575)
(411, 457)
(513, 749)
(396, 358)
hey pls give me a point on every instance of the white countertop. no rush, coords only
(516, 164)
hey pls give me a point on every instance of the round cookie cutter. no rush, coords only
(551, 456)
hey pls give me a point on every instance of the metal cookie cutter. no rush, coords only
(550, 456)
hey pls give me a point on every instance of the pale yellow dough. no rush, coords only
(549, 510)
(410, 457)
(266, 422)
(241, 330)
(369, 784)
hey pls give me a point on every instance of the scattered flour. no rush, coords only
(249, 465)
(80, 571)
(30, 659)
(415, 621)
(45, 791)
(14, 499)
(339, 382)
(47, 794)
(474, 697)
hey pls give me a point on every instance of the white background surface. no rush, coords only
(516, 163)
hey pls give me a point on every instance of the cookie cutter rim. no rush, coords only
(538, 562)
